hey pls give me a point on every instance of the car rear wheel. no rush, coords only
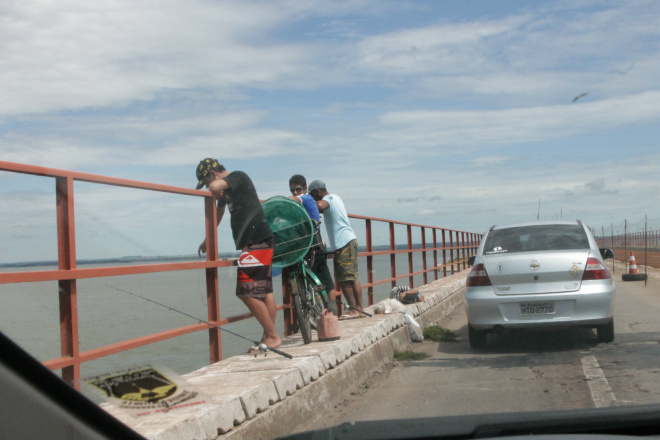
(605, 332)
(478, 338)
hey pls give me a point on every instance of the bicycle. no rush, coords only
(297, 241)
(309, 297)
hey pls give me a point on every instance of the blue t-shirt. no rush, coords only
(337, 225)
(310, 206)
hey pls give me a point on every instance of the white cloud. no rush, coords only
(515, 125)
(468, 120)
(74, 54)
(436, 50)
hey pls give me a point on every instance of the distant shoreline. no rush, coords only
(191, 257)
(127, 259)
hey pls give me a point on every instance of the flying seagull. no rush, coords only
(623, 72)
(580, 96)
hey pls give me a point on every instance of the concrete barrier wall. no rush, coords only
(266, 397)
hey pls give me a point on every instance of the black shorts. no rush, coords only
(321, 270)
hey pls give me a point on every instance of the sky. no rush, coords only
(458, 114)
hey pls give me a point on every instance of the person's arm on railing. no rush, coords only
(220, 212)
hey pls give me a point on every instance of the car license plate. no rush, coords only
(540, 308)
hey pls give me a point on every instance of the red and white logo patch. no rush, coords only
(256, 258)
(248, 260)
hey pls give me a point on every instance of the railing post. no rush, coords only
(392, 256)
(370, 264)
(68, 298)
(435, 253)
(212, 294)
(444, 255)
(426, 281)
(463, 250)
(451, 249)
(411, 280)
(625, 242)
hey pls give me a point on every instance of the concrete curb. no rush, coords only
(265, 397)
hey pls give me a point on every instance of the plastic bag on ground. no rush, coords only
(416, 332)
(392, 305)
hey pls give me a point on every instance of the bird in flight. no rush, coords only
(580, 96)
(623, 72)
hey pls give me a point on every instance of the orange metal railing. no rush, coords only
(455, 248)
(450, 250)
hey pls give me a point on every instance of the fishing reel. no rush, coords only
(259, 349)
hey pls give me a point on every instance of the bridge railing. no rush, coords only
(644, 238)
(449, 250)
(631, 239)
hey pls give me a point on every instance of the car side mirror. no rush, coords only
(471, 261)
(606, 253)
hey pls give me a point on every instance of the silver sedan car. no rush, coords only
(539, 274)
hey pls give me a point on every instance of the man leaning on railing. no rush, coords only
(252, 236)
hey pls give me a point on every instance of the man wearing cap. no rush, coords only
(343, 241)
(252, 236)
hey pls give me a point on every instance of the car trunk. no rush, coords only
(521, 273)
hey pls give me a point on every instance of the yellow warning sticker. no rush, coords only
(575, 271)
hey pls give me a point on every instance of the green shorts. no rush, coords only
(346, 262)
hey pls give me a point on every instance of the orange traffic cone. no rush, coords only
(633, 274)
(632, 267)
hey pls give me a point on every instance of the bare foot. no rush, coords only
(272, 342)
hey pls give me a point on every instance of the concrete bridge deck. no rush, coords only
(266, 397)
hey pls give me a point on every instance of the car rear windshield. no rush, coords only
(536, 238)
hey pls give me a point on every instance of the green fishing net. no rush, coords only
(292, 229)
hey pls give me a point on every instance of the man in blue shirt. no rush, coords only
(343, 241)
(317, 254)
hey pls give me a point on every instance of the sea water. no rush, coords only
(29, 314)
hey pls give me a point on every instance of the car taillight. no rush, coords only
(595, 270)
(478, 276)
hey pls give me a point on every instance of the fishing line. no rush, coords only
(202, 297)
(259, 345)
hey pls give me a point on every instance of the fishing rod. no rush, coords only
(260, 346)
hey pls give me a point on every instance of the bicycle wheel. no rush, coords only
(301, 305)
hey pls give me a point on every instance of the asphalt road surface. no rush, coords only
(561, 369)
